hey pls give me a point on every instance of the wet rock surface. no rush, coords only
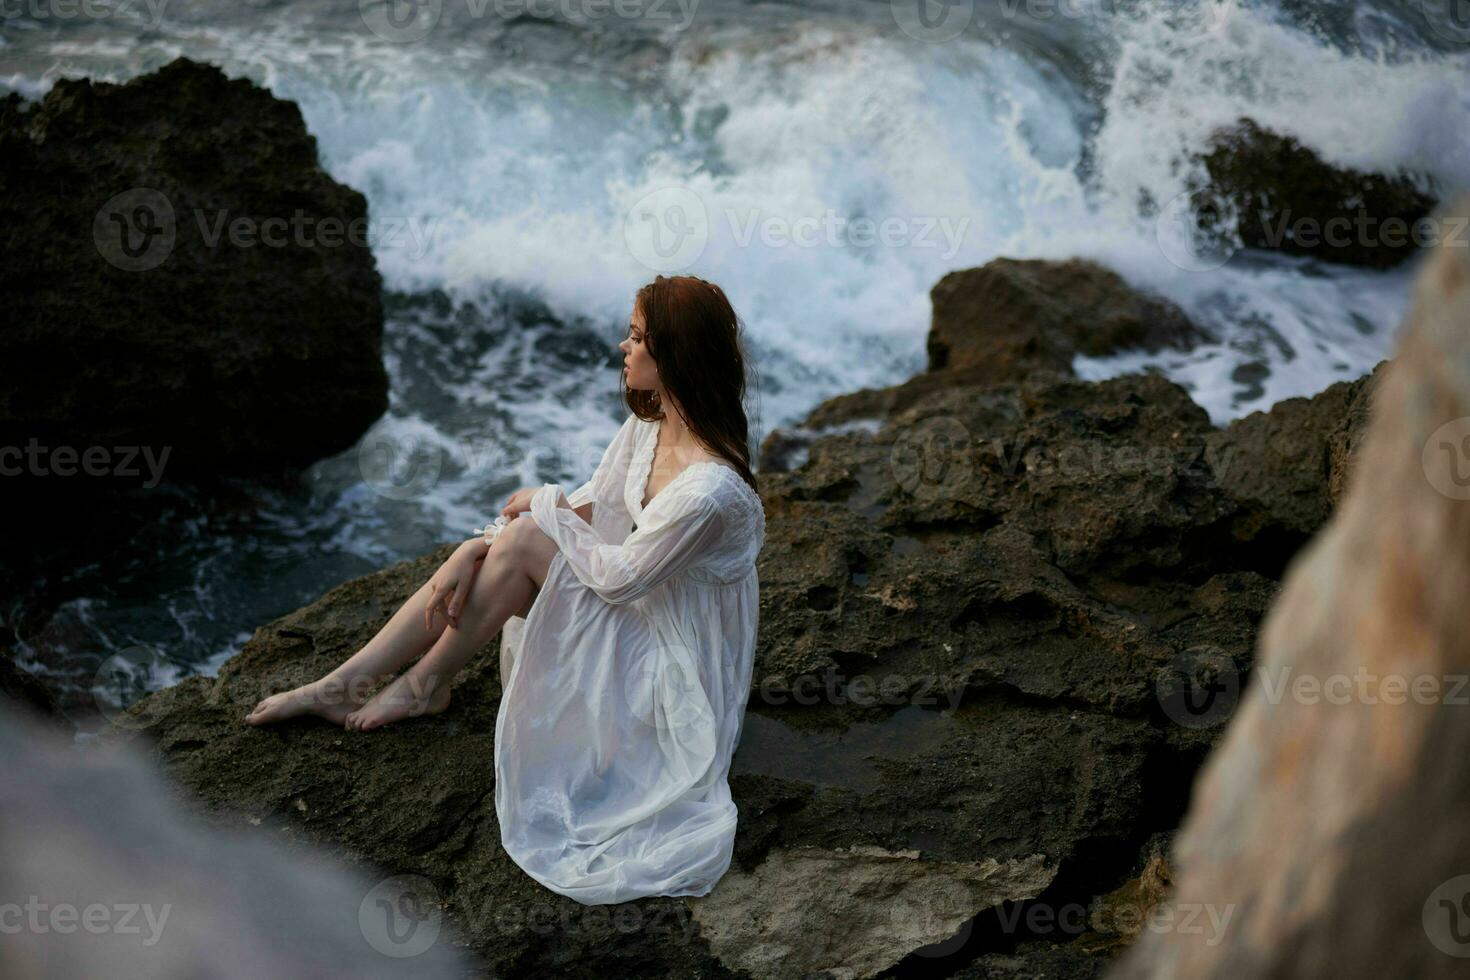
(986, 610)
(1274, 193)
(1013, 315)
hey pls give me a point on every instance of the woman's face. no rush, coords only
(639, 368)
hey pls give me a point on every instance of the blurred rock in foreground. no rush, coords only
(109, 874)
(1330, 822)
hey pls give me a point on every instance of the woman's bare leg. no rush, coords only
(505, 586)
(345, 688)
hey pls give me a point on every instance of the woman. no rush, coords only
(627, 614)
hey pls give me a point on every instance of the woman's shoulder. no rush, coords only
(723, 484)
(630, 433)
(723, 493)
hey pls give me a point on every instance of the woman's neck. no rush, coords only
(675, 435)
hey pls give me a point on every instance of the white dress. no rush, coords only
(625, 685)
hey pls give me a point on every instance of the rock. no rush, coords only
(963, 786)
(1047, 541)
(1035, 961)
(1000, 323)
(25, 688)
(877, 906)
(1012, 316)
(1346, 437)
(1328, 819)
(216, 356)
(1122, 915)
(417, 800)
(1279, 194)
(973, 605)
(1292, 476)
(111, 874)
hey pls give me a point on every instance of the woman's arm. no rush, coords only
(584, 511)
(663, 545)
(520, 502)
(606, 484)
(606, 481)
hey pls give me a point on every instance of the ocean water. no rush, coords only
(529, 165)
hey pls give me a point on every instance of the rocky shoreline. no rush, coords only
(991, 597)
(975, 612)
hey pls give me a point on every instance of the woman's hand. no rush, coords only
(519, 502)
(451, 583)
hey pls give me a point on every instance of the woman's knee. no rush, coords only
(519, 539)
(523, 549)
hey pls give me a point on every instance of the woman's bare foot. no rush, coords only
(334, 702)
(405, 697)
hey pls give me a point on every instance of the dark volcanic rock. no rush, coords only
(1283, 196)
(1097, 547)
(126, 326)
(25, 688)
(1297, 457)
(982, 609)
(1002, 322)
(1035, 961)
(1012, 316)
(419, 800)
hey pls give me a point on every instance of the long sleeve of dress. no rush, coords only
(668, 541)
(605, 485)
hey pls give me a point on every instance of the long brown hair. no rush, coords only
(692, 332)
